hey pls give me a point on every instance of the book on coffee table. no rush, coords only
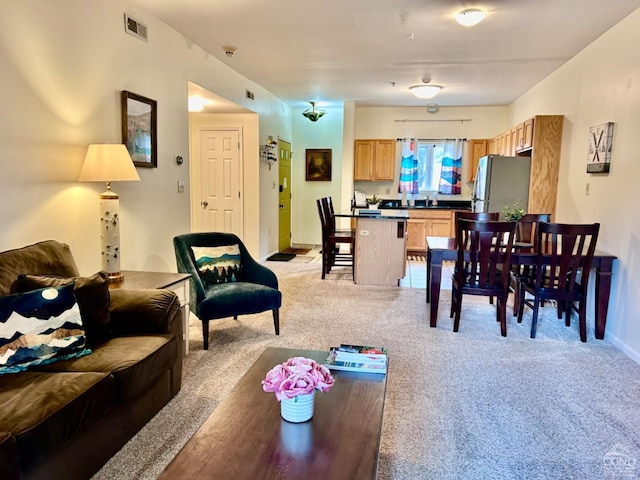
(359, 354)
(347, 358)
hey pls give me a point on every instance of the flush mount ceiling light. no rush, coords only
(313, 114)
(197, 103)
(425, 90)
(470, 17)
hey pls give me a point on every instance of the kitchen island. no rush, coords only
(380, 246)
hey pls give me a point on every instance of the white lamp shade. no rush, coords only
(108, 163)
(470, 17)
(425, 91)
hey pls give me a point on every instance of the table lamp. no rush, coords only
(109, 163)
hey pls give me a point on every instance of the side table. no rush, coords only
(176, 282)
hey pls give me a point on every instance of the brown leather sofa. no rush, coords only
(67, 419)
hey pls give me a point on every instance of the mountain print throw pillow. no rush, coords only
(40, 327)
(218, 264)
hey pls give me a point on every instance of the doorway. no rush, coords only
(221, 181)
(284, 196)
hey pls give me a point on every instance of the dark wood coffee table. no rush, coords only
(245, 437)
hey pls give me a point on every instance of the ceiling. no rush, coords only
(371, 51)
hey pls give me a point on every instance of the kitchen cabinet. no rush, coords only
(499, 142)
(374, 160)
(524, 135)
(491, 147)
(427, 222)
(513, 140)
(475, 150)
(539, 137)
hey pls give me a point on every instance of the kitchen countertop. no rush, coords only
(387, 213)
(423, 204)
(430, 207)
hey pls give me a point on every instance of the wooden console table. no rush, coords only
(176, 282)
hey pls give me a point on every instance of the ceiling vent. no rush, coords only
(135, 28)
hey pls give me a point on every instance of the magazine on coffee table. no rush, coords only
(358, 358)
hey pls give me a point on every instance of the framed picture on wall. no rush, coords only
(139, 130)
(318, 164)
(600, 144)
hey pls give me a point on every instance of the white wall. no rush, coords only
(601, 84)
(64, 64)
(327, 132)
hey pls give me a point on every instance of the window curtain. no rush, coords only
(451, 173)
(408, 167)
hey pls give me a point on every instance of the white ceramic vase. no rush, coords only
(297, 409)
(373, 206)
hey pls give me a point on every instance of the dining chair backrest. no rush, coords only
(526, 228)
(322, 216)
(476, 216)
(564, 256)
(489, 246)
(329, 215)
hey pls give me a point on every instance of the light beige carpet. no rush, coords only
(464, 406)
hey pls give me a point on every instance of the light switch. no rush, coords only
(586, 189)
(180, 186)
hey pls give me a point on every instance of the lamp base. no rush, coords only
(115, 277)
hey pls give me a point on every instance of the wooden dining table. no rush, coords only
(441, 249)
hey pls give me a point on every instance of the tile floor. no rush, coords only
(416, 276)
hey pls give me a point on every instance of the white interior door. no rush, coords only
(221, 181)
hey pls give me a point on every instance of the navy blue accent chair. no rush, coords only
(255, 291)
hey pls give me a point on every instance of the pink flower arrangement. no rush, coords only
(297, 376)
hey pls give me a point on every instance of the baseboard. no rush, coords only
(632, 353)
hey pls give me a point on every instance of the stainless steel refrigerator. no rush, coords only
(501, 182)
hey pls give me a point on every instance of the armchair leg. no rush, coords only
(205, 334)
(276, 320)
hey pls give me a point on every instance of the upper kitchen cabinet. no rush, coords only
(375, 160)
(475, 150)
(512, 141)
(524, 135)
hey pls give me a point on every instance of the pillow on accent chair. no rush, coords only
(40, 327)
(218, 264)
(92, 295)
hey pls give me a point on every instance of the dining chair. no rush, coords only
(564, 253)
(477, 216)
(487, 250)
(332, 255)
(525, 234)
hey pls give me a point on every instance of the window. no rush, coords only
(430, 155)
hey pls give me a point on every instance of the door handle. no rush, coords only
(205, 204)
(281, 205)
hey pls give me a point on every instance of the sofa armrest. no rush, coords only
(145, 311)
(9, 457)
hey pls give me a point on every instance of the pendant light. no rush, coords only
(313, 114)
